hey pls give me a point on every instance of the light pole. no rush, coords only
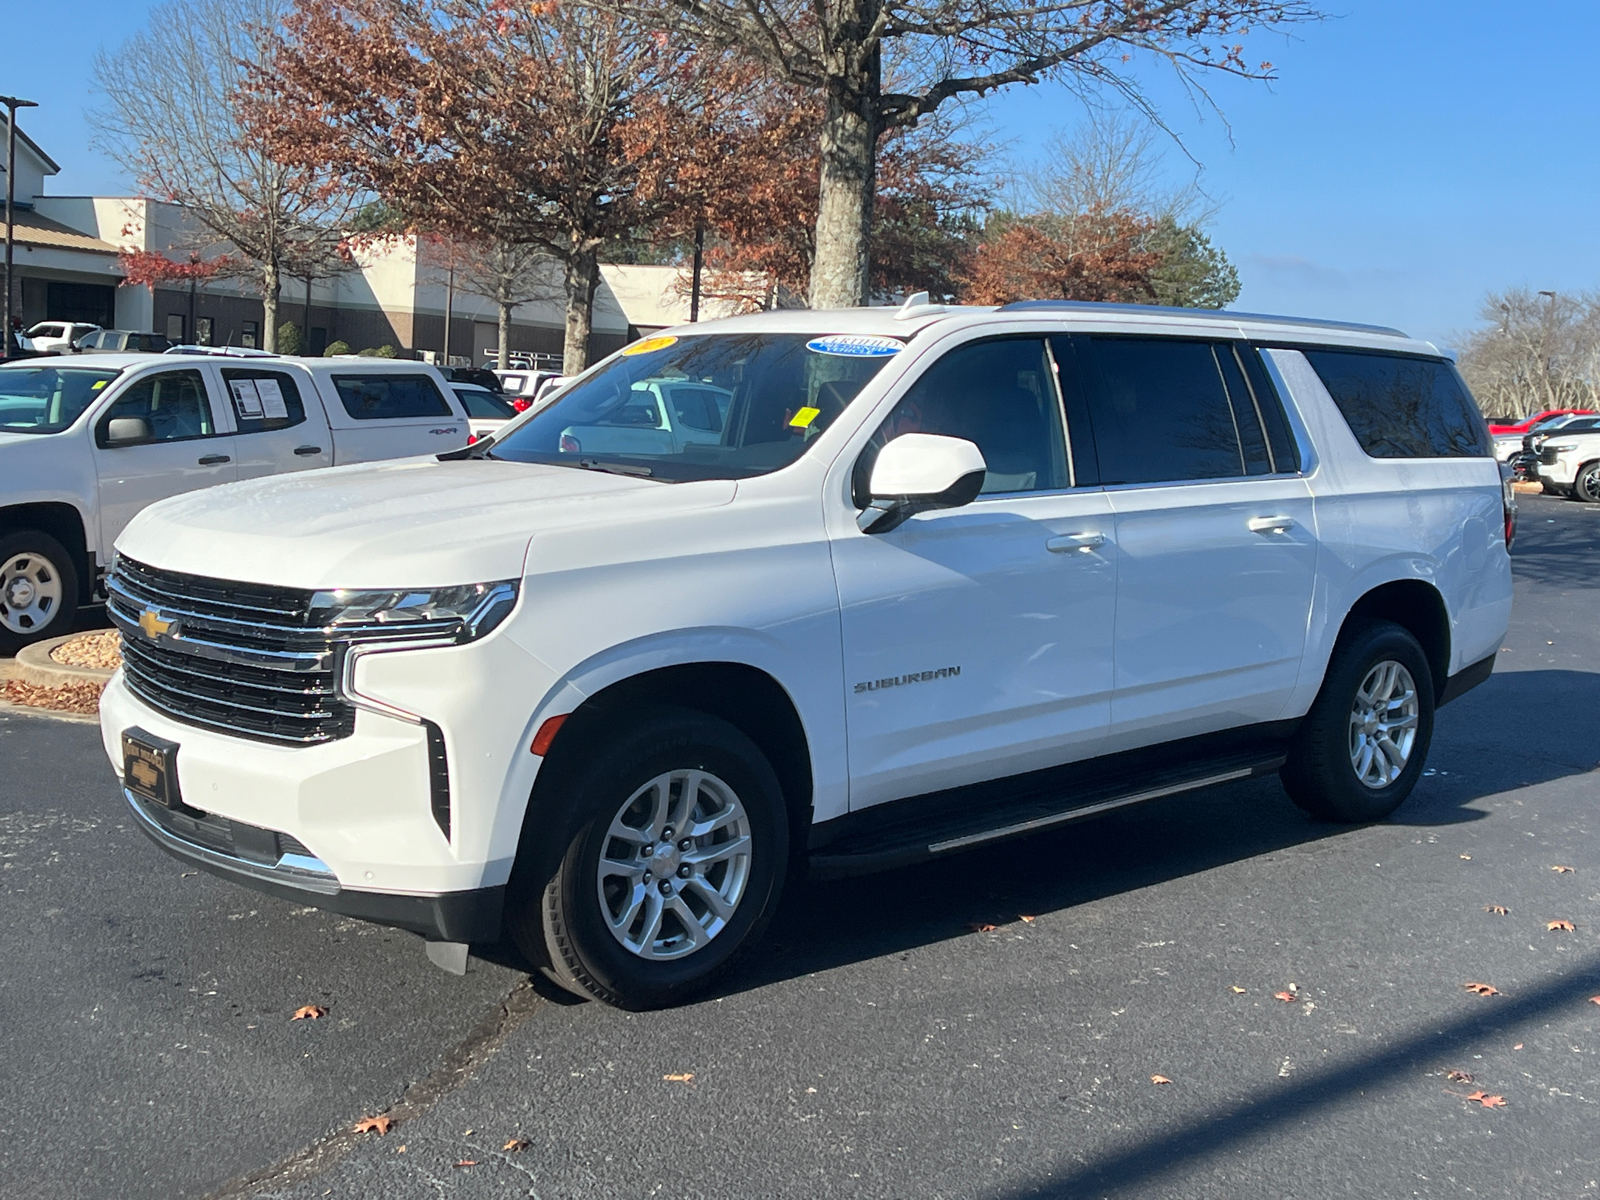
(12, 104)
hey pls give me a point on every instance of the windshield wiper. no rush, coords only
(593, 464)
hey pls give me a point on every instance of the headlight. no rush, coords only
(465, 612)
(1561, 447)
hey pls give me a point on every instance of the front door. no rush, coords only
(184, 447)
(978, 641)
(1215, 530)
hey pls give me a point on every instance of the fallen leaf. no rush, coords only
(1237, 990)
(1159, 1079)
(686, 1077)
(1459, 1076)
(310, 1012)
(1555, 925)
(1487, 1100)
(1481, 989)
(399, 1149)
(516, 1145)
(1518, 1046)
(1286, 997)
(977, 928)
(1498, 910)
(1466, 858)
(466, 1162)
(1562, 870)
(1594, 999)
(379, 1125)
(468, 1132)
(1029, 920)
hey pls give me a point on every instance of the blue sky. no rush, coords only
(1413, 154)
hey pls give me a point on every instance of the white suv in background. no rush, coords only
(1569, 464)
(85, 443)
(57, 337)
(931, 578)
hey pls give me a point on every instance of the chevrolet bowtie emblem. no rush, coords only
(150, 621)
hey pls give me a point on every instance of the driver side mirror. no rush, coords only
(921, 471)
(126, 431)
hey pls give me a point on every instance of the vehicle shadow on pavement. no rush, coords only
(1564, 554)
(822, 926)
(1283, 1106)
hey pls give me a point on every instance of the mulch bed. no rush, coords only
(73, 698)
(102, 651)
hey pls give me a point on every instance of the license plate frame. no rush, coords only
(150, 768)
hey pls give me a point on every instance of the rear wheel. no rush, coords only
(38, 589)
(675, 868)
(1362, 747)
(1586, 486)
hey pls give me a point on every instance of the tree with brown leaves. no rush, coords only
(506, 123)
(933, 51)
(173, 117)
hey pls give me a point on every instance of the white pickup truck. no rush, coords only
(85, 444)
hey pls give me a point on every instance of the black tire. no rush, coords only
(1586, 484)
(43, 558)
(1320, 775)
(565, 924)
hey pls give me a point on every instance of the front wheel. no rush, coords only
(1586, 486)
(675, 868)
(38, 589)
(1361, 748)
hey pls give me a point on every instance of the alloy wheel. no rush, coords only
(674, 865)
(1383, 724)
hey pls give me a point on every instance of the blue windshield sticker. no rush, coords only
(856, 345)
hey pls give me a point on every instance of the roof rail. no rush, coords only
(1097, 306)
(223, 351)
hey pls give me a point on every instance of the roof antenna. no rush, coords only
(917, 304)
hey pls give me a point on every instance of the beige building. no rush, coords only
(396, 294)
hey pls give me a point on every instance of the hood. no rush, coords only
(405, 523)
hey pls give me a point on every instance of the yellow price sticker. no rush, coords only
(803, 418)
(98, 384)
(650, 344)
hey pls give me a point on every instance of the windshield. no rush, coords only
(47, 399)
(714, 406)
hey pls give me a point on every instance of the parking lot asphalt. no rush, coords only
(884, 1041)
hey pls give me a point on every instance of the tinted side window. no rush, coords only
(1162, 412)
(172, 403)
(263, 400)
(1401, 407)
(1000, 395)
(388, 397)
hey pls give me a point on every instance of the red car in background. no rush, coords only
(1524, 426)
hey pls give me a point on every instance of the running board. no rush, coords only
(928, 827)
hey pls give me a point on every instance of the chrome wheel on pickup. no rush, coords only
(1361, 748)
(678, 850)
(38, 589)
(1383, 724)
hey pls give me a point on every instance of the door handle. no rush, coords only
(1068, 542)
(305, 450)
(212, 460)
(1271, 524)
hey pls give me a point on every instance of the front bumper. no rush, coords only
(1559, 473)
(272, 863)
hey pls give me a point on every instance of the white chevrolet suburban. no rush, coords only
(85, 443)
(1569, 463)
(889, 584)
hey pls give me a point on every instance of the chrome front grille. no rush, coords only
(242, 658)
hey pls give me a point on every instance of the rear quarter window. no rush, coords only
(390, 397)
(1400, 406)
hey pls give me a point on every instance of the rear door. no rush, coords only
(189, 445)
(281, 425)
(377, 414)
(1215, 531)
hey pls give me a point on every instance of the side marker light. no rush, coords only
(547, 734)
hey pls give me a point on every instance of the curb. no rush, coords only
(34, 665)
